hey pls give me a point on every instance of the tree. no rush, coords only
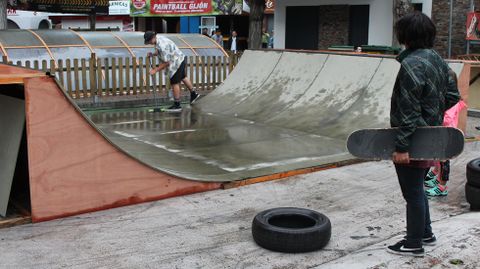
(3, 14)
(400, 9)
(257, 8)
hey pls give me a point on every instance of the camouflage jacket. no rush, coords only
(423, 91)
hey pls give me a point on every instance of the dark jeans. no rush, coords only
(418, 213)
(445, 170)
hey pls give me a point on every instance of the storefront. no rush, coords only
(192, 16)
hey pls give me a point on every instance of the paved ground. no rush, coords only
(212, 230)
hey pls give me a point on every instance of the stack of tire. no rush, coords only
(472, 188)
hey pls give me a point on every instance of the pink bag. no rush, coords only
(450, 118)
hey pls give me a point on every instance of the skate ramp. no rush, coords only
(277, 112)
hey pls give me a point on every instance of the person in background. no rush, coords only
(233, 43)
(218, 38)
(270, 41)
(205, 32)
(172, 59)
(265, 39)
(437, 178)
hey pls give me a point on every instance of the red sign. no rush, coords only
(11, 12)
(180, 6)
(473, 32)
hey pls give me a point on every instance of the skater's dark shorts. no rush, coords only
(180, 74)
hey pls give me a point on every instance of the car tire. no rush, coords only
(473, 173)
(472, 194)
(291, 230)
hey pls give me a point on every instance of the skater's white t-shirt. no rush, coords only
(168, 52)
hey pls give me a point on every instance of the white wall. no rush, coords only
(77, 23)
(380, 30)
(27, 19)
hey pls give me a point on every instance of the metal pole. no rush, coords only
(450, 24)
(472, 9)
(156, 108)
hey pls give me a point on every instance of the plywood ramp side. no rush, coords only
(74, 169)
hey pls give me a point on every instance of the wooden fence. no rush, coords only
(84, 78)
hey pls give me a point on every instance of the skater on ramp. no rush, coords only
(423, 92)
(172, 58)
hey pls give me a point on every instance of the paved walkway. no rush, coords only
(212, 230)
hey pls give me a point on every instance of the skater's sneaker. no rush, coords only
(432, 183)
(174, 108)
(400, 249)
(194, 97)
(438, 190)
(430, 175)
(429, 241)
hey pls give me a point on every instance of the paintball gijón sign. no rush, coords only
(473, 32)
(170, 7)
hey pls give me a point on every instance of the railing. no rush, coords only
(85, 78)
(469, 57)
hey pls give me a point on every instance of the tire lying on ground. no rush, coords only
(473, 173)
(473, 196)
(291, 230)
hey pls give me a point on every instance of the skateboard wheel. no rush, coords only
(291, 230)
(473, 196)
(473, 173)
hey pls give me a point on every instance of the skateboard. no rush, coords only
(428, 143)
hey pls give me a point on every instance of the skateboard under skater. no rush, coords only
(428, 143)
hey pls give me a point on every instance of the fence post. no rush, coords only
(68, 87)
(224, 66)
(60, 71)
(92, 75)
(209, 72)
(84, 77)
(127, 75)
(134, 75)
(4, 59)
(197, 72)
(99, 77)
(77, 75)
(140, 66)
(106, 64)
(147, 74)
(121, 76)
(114, 76)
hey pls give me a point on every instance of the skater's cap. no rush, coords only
(148, 36)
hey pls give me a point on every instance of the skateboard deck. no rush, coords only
(428, 143)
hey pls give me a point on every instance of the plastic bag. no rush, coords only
(451, 116)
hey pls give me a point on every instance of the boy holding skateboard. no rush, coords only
(171, 57)
(423, 92)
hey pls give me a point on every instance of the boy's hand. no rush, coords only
(153, 71)
(401, 157)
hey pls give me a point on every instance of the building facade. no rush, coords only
(320, 24)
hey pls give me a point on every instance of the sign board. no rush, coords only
(151, 8)
(54, 6)
(269, 6)
(119, 7)
(473, 32)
